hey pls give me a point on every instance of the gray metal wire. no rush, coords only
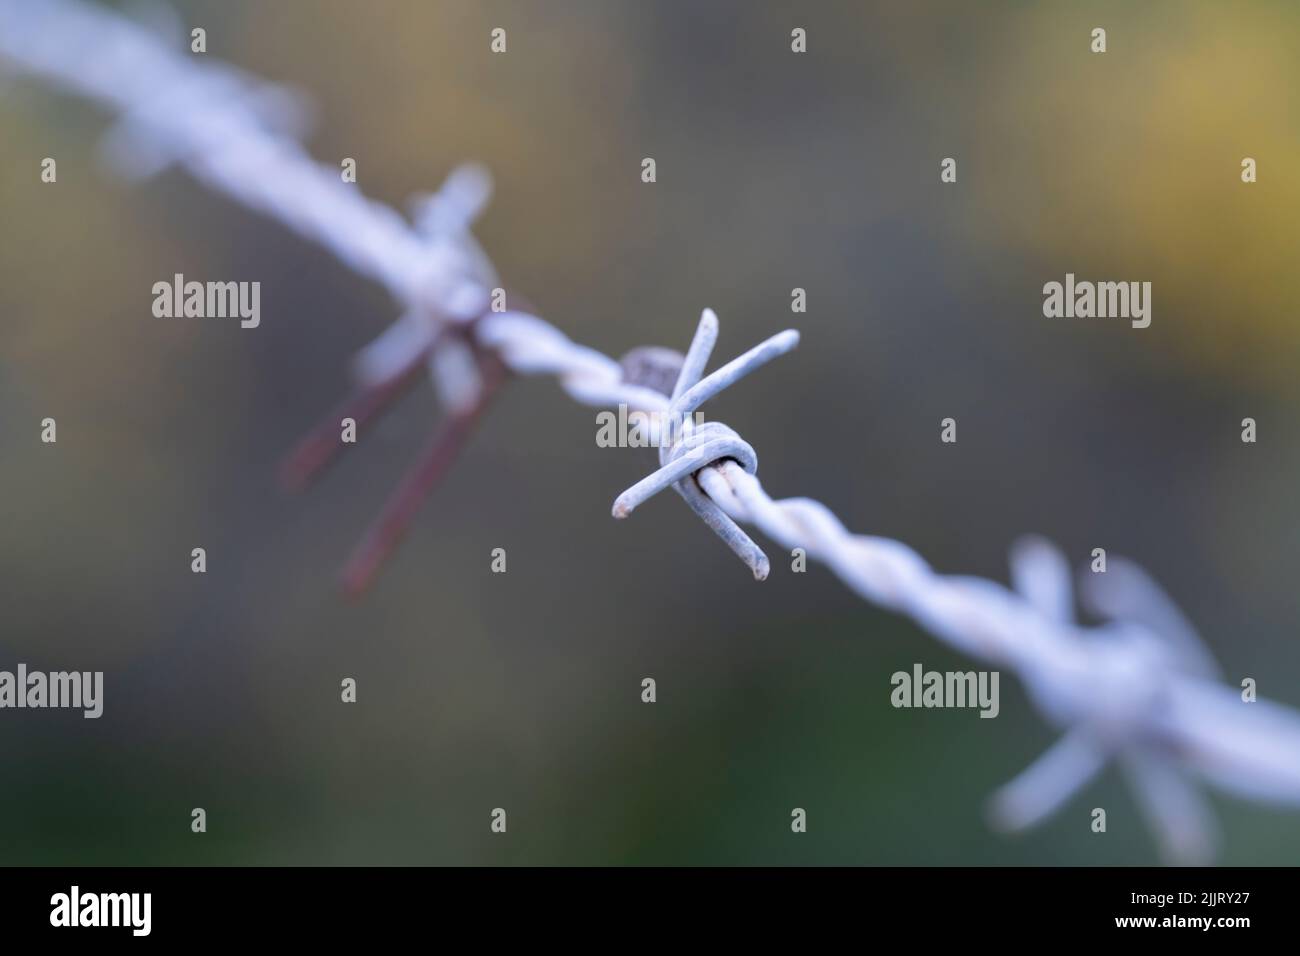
(1141, 690)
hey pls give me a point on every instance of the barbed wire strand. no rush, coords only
(1141, 689)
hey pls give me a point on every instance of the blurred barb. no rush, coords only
(322, 444)
(1140, 689)
(398, 514)
(215, 122)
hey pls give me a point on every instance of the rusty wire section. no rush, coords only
(1141, 690)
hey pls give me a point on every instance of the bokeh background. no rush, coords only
(479, 690)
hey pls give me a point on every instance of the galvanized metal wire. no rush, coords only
(1140, 690)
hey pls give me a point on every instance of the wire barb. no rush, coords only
(684, 450)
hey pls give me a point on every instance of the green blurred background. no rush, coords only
(522, 691)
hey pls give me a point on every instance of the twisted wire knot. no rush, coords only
(709, 443)
(687, 449)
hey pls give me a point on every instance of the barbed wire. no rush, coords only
(1140, 690)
